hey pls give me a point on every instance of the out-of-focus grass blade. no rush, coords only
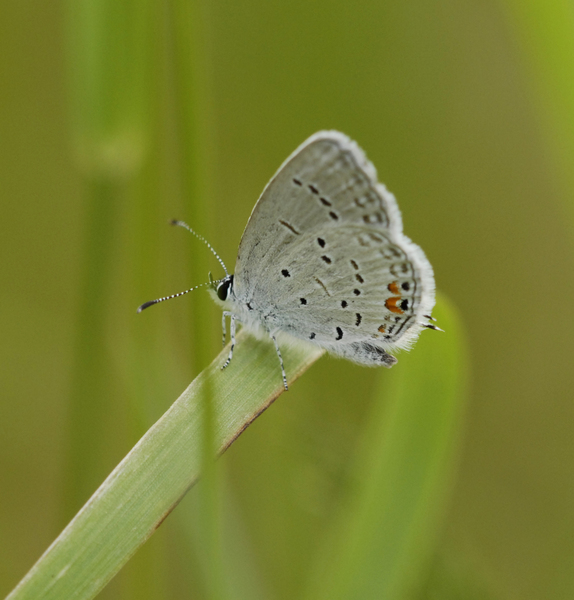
(545, 32)
(153, 477)
(190, 32)
(107, 45)
(107, 48)
(385, 536)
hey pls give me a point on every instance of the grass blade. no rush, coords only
(386, 533)
(144, 488)
(545, 33)
(107, 65)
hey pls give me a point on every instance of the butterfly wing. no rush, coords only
(325, 182)
(323, 256)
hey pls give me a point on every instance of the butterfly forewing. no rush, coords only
(324, 183)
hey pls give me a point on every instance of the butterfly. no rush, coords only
(323, 258)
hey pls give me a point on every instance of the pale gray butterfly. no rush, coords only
(323, 258)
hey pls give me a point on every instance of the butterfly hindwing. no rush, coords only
(354, 285)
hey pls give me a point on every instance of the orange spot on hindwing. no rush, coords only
(391, 304)
(382, 329)
(393, 288)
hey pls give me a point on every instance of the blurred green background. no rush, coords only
(465, 108)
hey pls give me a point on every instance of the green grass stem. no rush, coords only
(383, 542)
(145, 487)
(545, 34)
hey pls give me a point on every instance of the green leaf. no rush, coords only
(145, 487)
(384, 538)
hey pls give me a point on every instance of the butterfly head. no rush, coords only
(223, 287)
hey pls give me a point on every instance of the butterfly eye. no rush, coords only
(224, 287)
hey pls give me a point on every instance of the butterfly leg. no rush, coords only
(232, 318)
(280, 361)
(224, 316)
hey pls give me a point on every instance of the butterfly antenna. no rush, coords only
(199, 237)
(151, 302)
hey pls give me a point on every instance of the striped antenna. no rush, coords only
(199, 237)
(151, 302)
